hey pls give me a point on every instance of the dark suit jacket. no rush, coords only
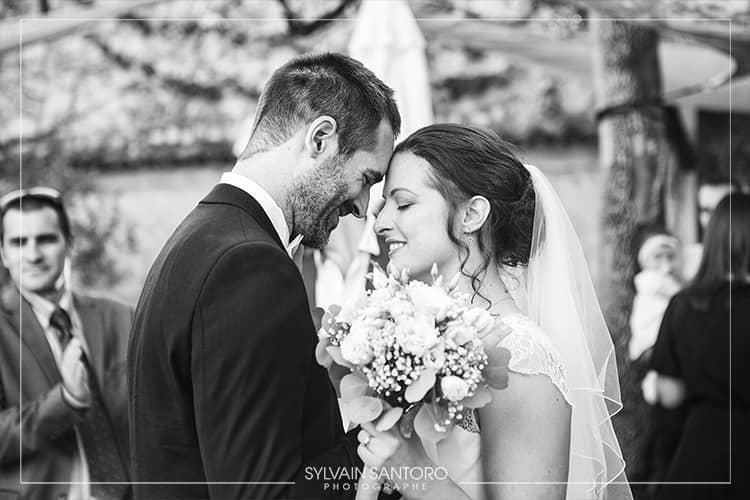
(224, 384)
(48, 438)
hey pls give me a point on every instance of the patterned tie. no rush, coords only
(105, 462)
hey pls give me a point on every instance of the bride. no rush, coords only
(459, 197)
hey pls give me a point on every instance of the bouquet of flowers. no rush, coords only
(415, 354)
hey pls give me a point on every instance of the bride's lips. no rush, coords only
(394, 246)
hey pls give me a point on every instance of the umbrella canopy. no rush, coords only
(388, 41)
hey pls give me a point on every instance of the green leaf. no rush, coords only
(428, 427)
(362, 409)
(335, 352)
(352, 386)
(498, 357)
(406, 424)
(496, 372)
(389, 419)
(480, 398)
(417, 389)
(322, 356)
(329, 319)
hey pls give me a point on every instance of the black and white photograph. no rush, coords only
(374, 249)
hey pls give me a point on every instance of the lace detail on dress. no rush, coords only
(532, 352)
(470, 421)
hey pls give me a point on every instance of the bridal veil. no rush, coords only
(555, 290)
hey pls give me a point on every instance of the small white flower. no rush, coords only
(454, 388)
(417, 335)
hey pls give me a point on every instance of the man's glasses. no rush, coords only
(15, 198)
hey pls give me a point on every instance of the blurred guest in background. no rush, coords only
(656, 283)
(63, 406)
(659, 259)
(692, 359)
(710, 192)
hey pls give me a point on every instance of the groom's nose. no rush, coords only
(359, 204)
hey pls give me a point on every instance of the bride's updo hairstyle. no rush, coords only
(468, 161)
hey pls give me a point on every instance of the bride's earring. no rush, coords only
(470, 238)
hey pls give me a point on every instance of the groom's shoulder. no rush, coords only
(219, 226)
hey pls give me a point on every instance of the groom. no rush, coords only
(224, 388)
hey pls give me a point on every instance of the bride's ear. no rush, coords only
(321, 136)
(475, 214)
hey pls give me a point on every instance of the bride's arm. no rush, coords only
(526, 439)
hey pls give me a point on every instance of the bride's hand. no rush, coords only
(391, 451)
(376, 448)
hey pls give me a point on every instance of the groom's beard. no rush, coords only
(315, 198)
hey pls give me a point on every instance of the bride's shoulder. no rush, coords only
(532, 352)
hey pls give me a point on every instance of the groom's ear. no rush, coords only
(322, 136)
(475, 213)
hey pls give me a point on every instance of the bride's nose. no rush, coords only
(382, 221)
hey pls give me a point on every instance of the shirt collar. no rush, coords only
(44, 308)
(269, 206)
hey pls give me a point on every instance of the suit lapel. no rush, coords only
(232, 195)
(93, 331)
(19, 314)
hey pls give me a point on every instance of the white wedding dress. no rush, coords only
(531, 354)
(561, 334)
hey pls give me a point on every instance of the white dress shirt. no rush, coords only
(43, 309)
(269, 206)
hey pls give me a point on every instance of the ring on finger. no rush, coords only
(366, 440)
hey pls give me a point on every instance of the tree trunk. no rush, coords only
(634, 155)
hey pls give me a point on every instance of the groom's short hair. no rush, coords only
(330, 84)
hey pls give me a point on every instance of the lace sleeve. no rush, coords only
(532, 353)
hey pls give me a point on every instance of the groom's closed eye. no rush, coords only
(372, 177)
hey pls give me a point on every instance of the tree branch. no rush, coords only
(299, 27)
(178, 84)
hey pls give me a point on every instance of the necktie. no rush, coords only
(105, 462)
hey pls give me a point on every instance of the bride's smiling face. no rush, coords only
(414, 220)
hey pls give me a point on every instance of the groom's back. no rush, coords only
(164, 440)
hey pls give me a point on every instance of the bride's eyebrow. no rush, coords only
(396, 190)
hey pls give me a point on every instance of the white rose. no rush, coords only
(355, 348)
(429, 299)
(380, 296)
(417, 335)
(454, 388)
(400, 307)
(480, 319)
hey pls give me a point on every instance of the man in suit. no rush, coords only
(224, 388)
(63, 411)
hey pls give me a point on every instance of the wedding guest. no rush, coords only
(658, 257)
(710, 192)
(63, 397)
(701, 359)
(655, 284)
